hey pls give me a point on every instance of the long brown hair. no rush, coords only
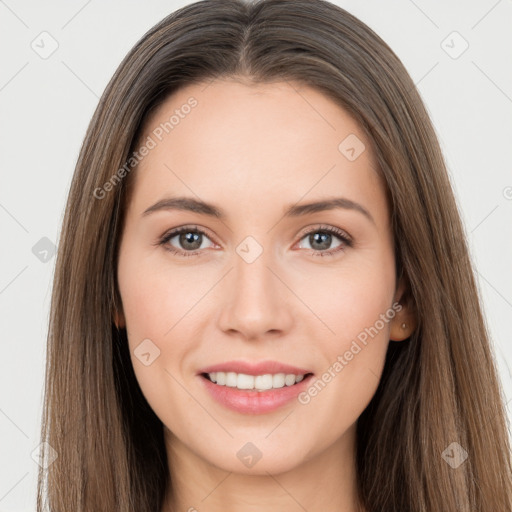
(439, 387)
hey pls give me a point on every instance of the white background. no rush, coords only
(46, 105)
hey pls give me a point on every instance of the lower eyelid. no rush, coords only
(345, 240)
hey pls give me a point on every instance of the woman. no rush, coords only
(242, 372)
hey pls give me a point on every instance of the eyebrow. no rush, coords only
(297, 210)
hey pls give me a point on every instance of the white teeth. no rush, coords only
(278, 380)
(289, 380)
(263, 381)
(258, 382)
(231, 379)
(245, 381)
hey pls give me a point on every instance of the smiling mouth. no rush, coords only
(258, 383)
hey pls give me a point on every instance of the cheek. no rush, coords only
(357, 308)
(154, 296)
(158, 305)
(144, 309)
(355, 353)
(150, 312)
(350, 301)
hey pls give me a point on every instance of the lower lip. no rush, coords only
(254, 402)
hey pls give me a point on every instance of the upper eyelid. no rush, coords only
(326, 227)
(171, 233)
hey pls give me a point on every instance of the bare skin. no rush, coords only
(254, 150)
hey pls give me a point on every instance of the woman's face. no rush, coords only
(258, 290)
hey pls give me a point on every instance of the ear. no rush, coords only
(405, 321)
(119, 319)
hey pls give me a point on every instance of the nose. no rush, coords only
(256, 302)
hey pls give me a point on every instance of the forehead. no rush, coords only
(229, 141)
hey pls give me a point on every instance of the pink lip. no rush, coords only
(260, 368)
(255, 402)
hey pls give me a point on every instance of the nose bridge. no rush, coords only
(255, 302)
(252, 276)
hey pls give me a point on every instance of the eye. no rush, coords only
(321, 238)
(190, 240)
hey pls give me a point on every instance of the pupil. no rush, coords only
(318, 237)
(190, 238)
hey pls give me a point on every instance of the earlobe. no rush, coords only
(119, 320)
(404, 322)
(402, 326)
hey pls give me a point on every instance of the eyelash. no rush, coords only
(345, 239)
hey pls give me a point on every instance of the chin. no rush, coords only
(255, 458)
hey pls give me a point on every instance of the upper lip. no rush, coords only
(255, 368)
